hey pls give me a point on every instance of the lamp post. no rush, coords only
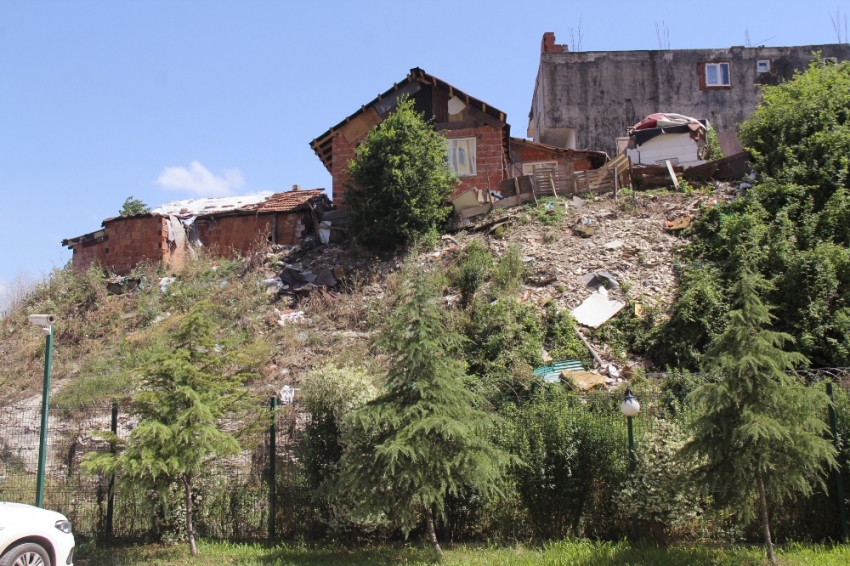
(45, 322)
(630, 408)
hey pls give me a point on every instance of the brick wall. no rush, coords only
(489, 158)
(127, 242)
(130, 241)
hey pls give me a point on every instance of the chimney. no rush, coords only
(296, 188)
(548, 44)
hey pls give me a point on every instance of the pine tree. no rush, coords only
(400, 181)
(426, 437)
(759, 430)
(185, 393)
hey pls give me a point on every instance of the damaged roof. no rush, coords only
(386, 102)
(599, 157)
(264, 202)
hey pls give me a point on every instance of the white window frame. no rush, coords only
(528, 168)
(763, 66)
(458, 156)
(830, 60)
(719, 74)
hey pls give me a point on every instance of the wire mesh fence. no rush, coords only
(243, 497)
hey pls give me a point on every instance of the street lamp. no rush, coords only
(630, 408)
(45, 322)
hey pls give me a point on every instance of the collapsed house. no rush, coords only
(663, 137)
(175, 230)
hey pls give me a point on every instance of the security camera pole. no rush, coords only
(45, 322)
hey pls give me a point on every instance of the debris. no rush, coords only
(679, 224)
(325, 278)
(546, 356)
(584, 380)
(289, 316)
(449, 239)
(577, 202)
(165, 282)
(614, 245)
(612, 371)
(596, 310)
(600, 278)
(524, 297)
(638, 310)
(585, 228)
(593, 353)
(287, 395)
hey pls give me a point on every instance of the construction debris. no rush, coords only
(596, 310)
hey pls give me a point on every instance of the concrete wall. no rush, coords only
(601, 93)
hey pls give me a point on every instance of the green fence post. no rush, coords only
(110, 498)
(45, 410)
(839, 484)
(272, 467)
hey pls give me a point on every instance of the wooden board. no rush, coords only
(360, 126)
(729, 143)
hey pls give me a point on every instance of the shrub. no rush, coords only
(510, 271)
(472, 269)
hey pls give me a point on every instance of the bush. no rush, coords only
(510, 271)
(400, 181)
(472, 269)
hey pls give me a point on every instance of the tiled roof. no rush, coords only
(290, 200)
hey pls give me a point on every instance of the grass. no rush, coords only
(577, 553)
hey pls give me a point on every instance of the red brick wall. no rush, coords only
(234, 233)
(489, 158)
(128, 242)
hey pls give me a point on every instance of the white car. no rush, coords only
(30, 536)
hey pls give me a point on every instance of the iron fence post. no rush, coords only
(839, 483)
(45, 409)
(110, 498)
(632, 461)
(272, 467)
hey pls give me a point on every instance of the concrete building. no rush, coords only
(585, 100)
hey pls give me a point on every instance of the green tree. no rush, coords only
(133, 206)
(186, 392)
(426, 437)
(399, 181)
(759, 429)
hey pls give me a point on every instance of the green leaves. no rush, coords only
(426, 437)
(400, 181)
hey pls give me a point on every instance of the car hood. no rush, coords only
(21, 509)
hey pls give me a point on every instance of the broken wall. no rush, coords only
(126, 243)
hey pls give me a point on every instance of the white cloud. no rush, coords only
(199, 180)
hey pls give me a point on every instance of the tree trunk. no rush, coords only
(190, 530)
(765, 523)
(432, 536)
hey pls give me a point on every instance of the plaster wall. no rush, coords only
(600, 93)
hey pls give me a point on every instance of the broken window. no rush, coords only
(717, 74)
(462, 157)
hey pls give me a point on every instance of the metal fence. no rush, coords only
(260, 493)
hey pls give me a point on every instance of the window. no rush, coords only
(830, 60)
(462, 157)
(528, 168)
(717, 74)
(763, 66)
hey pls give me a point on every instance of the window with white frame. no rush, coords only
(717, 74)
(462, 157)
(763, 66)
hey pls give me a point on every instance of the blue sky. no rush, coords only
(175, 99)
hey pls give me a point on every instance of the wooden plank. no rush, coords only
(729, 143)
(360, 125)
(672, 174)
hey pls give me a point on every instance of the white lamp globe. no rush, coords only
(630, 406)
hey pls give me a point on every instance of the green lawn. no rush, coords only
(578, 553)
